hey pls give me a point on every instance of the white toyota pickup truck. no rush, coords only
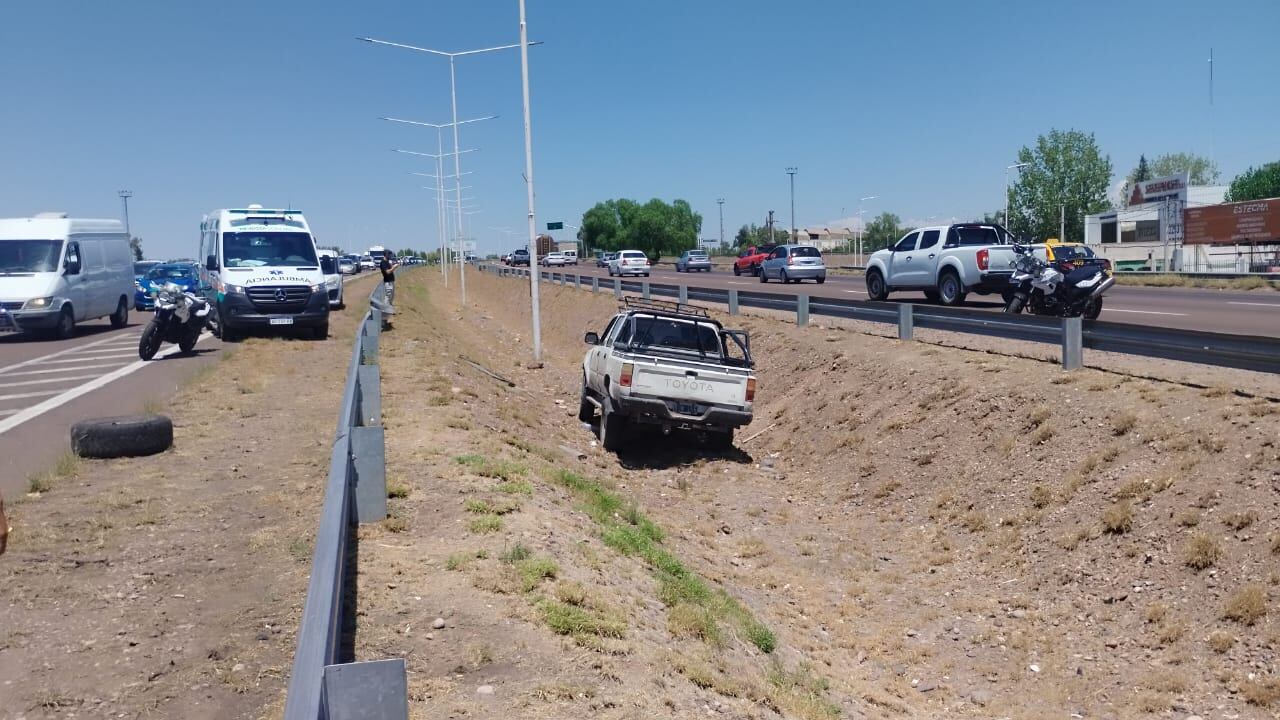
(946, 262)
(670, 365)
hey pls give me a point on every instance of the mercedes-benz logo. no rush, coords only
(281, 295)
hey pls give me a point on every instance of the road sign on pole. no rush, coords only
(555, 226)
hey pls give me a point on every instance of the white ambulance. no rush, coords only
(261, 272)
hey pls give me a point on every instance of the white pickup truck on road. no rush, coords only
(946, 262)
(670, 365)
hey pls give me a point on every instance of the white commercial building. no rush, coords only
(1149, 232)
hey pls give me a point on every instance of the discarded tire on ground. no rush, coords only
(127, 436)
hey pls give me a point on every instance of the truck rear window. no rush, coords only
(969, 235)
(671, 334)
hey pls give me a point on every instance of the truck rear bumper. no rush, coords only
(657, 411)
(992, 282)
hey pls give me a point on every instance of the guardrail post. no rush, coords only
(644, 289)
(595, 284)
(577, 281)
(377, 690)
(368, 454)
(733, 302)
(906, 321)
(802, 310)
(617, 288)
(1072, 343)
(369, 395)
(684, 294)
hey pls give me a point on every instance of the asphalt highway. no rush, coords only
(1223, 311)
(46, 386)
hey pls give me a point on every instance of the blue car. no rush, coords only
(184, 275)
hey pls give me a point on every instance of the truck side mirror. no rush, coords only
(591, 339)
(73, 266)
(211, 262)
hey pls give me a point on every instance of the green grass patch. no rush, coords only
(574, 621)
(625, 529)
(516, 487)
(458, 561)
(484, 467)
(515, 554)
(66, 466)
(802, 693)
(485, 525)
(534, 570)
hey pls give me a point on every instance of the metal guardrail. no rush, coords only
(1243, 352)
(321, 686)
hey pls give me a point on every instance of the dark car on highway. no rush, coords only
(184, 275)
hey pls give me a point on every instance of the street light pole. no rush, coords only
(1015, 166)
(528, 181)
(124, 198)
(441, 190)
(792, 172)
(862, 226)
(453, 93)
(721, 203)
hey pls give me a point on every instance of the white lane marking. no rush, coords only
(45, 358)
(20, 396)
(71, 368)
(66, 397)
(44, 381)
(1145, 312)
(860, 292)
(9, 412)
(94, 358)
(735, 282)
(1270, 305)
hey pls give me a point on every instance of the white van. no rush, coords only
(57, 271)
(332, 277)
(261, 272)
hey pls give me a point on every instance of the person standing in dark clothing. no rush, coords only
(388, 268)
(4, 527)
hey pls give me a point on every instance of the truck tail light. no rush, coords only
(751, 389)
(984, 258)
(625, 378)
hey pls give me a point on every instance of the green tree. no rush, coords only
(135, 244)
(756, 235)
(1200, 171)
(995, 218)
(884, 230)
(656, 228)
(1065, 171)
(1256, 184)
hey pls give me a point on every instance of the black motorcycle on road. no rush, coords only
(1069, 285)
(180, 318)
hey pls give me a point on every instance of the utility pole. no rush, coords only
(124, 198)
(1062, 223)
(792, 172)
(528, 179)
(720, 202)
(769, 222)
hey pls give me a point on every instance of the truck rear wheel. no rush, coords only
(950, 291)
(613, 428)
(737, 270)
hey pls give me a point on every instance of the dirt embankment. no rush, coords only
(171, 586)
(925, 532)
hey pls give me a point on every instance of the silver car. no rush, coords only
(693, 261)
(793, 263)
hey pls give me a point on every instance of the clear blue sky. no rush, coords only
(201, 105)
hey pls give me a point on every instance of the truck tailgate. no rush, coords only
(693, 383)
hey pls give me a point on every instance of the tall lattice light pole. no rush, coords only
(124, 199)
(720, 202)
(792, 172)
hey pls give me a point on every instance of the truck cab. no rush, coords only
(668, 365)
(261, 271)
(945, 262)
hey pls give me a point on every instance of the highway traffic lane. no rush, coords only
(97, 376)
(1234, 312)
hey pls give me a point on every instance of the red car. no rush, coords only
(749, 260)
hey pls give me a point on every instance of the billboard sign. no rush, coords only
(1242, 222)
(1173, 186)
